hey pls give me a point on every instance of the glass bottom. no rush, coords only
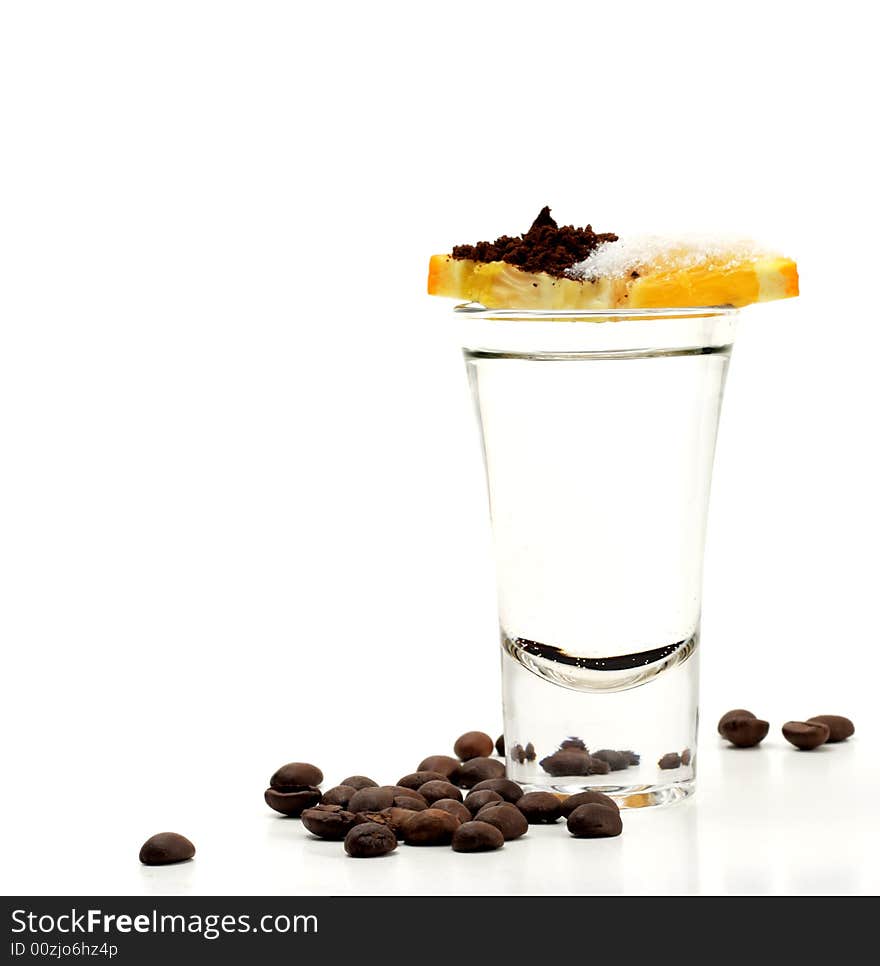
(627, 796)
(629, 732)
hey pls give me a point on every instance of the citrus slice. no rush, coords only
(497, 285)
(553, 267)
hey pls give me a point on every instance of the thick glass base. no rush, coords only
(569, 730)
(628, 796)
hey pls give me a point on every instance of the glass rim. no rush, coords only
(478, 311)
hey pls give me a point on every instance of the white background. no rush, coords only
(242, 513)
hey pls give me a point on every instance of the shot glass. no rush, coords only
(598, 433)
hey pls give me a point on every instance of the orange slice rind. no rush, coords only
(497, 285)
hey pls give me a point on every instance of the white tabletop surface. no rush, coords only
(764, 821)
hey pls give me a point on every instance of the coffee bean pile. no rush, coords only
(742, 729)
(574, 758)
(466, 802)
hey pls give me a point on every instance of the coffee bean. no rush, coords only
(745, 732)
(410, 802)
(571, 761)
(393, 817)
(442, 764)
(839, 728)
(398, 791)
(530, 752)
(477, 837)
(508, 790)
(730, 715)
(435, 790)
(576, 743)
(358, 782)
(461, 812)
(616, 760)
(476, 800)
(598, 766)
(166, 848)
(670, 760)
(434, 826)
(806, 735)
(594, 821)
(292, 803)
(477, 770)
(499, 745)
(631, 757)
(587, 798)
(416, 779)
(296, 775)
(369, 840)
(371, 799)
(473, 744)
(506, 817)
(518, 754)
(329, 821)
(540, 808)
(340, 795)
(686, 757)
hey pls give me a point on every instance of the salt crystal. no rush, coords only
(662, 253)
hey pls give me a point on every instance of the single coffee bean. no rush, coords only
(686, 757)
(576, 743)
(508, 790)
(597, 766)
(371, 799)
(400, 792)
(730, 715)
(358, 782)
(670, 760)
(745, 732)
(454, 807)
(806, 735)
(594, 822)
(434, 791)
(631, 757)
(529, 752)
(393, 817)
(410, 802)
(418, 778)
(434, 826)
(571, 761)
(473, 744)
(507, 818)
(616, 760)
(166, 848)
(477, 837)
(476, 800)
(540, 808)
(340, 795)
(329, 821)
(477, 770)
(499, 745)
(296, 775)
(839, 728)
(442, 764)
(369, 840)
(292, 803)
(587, 798)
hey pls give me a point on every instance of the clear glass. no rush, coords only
(598, 434)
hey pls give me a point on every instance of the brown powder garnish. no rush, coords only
(545, 247)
